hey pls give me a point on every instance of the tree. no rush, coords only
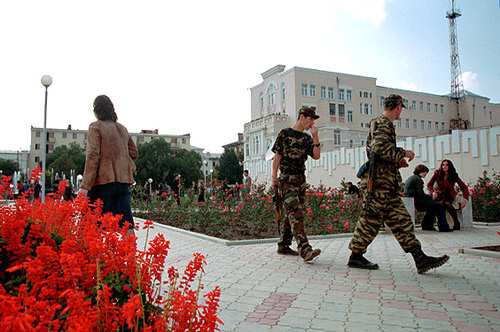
(229, 167)
(64, 159)
(157, 160)
(8, 167)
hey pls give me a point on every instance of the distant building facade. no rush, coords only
(61, 137)
(20, 157)
(346, 103)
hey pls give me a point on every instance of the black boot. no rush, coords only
(424, 263)
(359, 261)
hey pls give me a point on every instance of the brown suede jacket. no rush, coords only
(110, 155)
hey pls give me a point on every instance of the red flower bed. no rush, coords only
(64, 267)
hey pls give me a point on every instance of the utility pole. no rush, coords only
(457, 92)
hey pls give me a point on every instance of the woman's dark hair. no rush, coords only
(452, 172)
(104, 109)
(420, 169)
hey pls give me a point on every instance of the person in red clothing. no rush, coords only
(442, 188)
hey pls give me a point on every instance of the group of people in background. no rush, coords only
(442, 195)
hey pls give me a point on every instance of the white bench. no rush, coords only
(464, 216)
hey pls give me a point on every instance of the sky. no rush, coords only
(187, 66)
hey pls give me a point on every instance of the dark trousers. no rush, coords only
(432, 210)
(115, 198)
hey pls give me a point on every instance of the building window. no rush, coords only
(331, 94)
(312, 90)
(140, 139)
(271, 94)
(442, 109)
(64, 135)
(367, 109)
(442, 126)
(422, 125)
(436, 125)
(365, 94)
(415, 125)
(37, 146)
(371, 109)
(414, 105)
(304, 90)
(341, 110)
(428, 107)
(349, 95)
(75, 135)
(349, 116)
(407, 123)
(261, 101)
(382, 101)
(283, 91)
(336, 137)
(38, 134)
(37, 159)
(484, 110)
(332, 109)
(50, 135)
(323, 92)
(351, 143)
(183, 141)
(341, 94)
(371, 94)
(399, 123)
(429, 126)
(435, 108)
(421, 104)
(360, 94)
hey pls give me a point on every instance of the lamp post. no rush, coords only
(205, 163)
(46, 82)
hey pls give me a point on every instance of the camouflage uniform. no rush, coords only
(384, 203)
(294, 147)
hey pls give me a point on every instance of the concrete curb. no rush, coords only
(479, 252)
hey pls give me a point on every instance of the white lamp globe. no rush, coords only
(46, 80)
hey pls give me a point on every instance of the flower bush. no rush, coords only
(486, 198)
(235, 215)
(65, 267)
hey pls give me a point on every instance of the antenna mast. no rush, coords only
(457, 93)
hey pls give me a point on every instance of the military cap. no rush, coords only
(309, 111)
(393, 100)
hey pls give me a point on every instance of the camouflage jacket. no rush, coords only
(387, 155)
(294, 147)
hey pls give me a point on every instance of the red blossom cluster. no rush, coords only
(65, 267)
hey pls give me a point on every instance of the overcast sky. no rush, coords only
(186, 66)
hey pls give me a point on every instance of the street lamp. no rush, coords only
(46, 82)
(205, 163)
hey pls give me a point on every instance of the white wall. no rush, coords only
(471, 151)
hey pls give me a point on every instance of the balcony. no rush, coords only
(270, 123)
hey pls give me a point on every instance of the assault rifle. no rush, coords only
(278, 201)
(371, 169)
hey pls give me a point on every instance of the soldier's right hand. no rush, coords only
(409, 154)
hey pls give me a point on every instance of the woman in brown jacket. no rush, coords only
(442, 188)
(109, 163)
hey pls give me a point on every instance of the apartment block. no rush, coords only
(61, 137)
(346, 103)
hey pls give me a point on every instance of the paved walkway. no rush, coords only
(263, 291)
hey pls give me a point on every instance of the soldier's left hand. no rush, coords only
(314, 131)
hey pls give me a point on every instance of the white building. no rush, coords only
(346, 103)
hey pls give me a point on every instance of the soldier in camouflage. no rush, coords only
(385, 204)
(292, 147)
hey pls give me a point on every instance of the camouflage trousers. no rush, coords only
(388, 208)
(293, 193)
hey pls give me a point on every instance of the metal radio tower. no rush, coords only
(457, 93)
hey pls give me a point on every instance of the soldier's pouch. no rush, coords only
(363, 170)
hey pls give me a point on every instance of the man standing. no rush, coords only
(291, 149)
(383, 203)
(248, 182)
